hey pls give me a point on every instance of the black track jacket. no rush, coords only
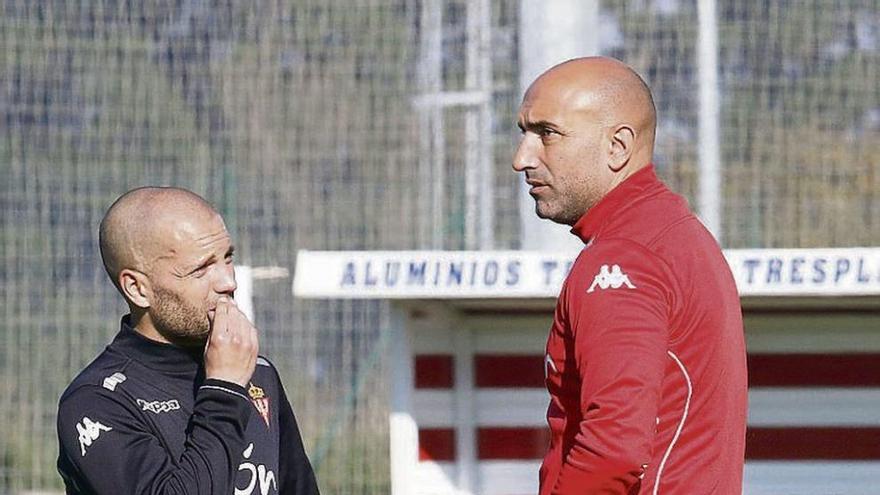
(142, 419)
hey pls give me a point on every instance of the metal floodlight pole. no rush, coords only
(431, 133)
(551, 31)
(487, 136)
(709, 200)
(479, 176)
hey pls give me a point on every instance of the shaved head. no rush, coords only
(605, 86)
(587, 125)
(133, 233)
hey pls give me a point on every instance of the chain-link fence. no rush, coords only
(800, 112)
(305, 122)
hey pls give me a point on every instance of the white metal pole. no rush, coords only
(244, 293)
(479, 161)
(438, 177)
(465, 425)
(438, 131)
(471, 127)
(551, 31)
(403, 429)
(431, 133)
(487, 157)
(709, 201)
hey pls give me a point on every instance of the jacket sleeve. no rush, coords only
(297, 477)
(619, 320)
(106, 447)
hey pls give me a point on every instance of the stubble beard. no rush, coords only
(567, 207)
(177, 320)
(563, 215)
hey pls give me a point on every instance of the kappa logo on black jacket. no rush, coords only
(142, 419)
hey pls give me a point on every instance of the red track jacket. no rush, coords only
(646, 363)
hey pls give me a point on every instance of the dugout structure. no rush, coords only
(469, 327)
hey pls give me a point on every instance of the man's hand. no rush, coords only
(231, 351)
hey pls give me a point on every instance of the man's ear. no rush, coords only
(135, 287)
(622, 146)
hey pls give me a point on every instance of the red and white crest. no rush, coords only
(261, 402)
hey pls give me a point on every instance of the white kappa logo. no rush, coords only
(613, 279)
(89, 431)
(159, 406)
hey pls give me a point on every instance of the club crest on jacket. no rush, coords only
(261, 402)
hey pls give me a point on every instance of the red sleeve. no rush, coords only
(618, 307)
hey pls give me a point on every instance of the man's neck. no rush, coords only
(143, 324)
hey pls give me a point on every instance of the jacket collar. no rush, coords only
(634, 187)
(156, 355)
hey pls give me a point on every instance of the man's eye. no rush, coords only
(200, 272)
(546, 133)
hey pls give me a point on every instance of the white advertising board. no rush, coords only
(530, 274)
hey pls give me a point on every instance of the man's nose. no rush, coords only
(526, 154)
(226, 282)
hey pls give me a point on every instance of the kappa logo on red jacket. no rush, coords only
(610, 279)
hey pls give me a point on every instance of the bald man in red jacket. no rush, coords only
(646, 363)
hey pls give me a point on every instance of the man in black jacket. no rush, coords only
(179, 402)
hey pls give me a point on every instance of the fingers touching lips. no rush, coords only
(212, 310)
